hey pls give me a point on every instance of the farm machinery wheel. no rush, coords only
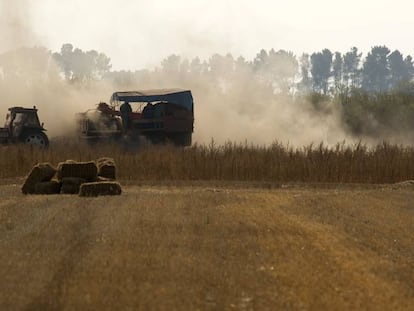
(36, 138)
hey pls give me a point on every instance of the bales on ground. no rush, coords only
(47, 187)
(71, 185)
(71, 169)
(41, 172)
(106, 168)
(94, 189)
(99, 178)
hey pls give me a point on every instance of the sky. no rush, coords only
(138, 34)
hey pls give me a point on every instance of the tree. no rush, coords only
(284, 67)
(277, 69)
(401, 70)
(80, 66)
(375, 71)
(409, 67)
(221, 67)
(196, 67)
(171, 65)
(351, 71)
(305, 83)
(321, 70)
(337, 70)
(242, 67)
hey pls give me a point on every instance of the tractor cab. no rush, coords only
(23, 125)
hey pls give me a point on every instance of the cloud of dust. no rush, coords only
(30, 77)
(243, 112)
(247, 112)
(265, 120)
(15, 25)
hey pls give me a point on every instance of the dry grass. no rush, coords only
(342, 163)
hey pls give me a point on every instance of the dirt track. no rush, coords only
(208, 248)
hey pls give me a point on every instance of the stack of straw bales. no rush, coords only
(83, 178)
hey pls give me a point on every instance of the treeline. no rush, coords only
(373, 93)
(325, 72)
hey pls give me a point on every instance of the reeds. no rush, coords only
(343, 163)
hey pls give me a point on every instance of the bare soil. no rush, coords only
(209, 247)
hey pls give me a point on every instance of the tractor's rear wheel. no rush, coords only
(36, 138)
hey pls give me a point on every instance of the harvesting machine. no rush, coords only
(163, 115)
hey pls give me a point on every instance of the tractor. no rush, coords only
(160, 116)
(23, 126)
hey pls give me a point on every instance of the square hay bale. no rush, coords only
(85, 170)
(95, 189)
(106, 168)
(47, 187)
(40, 173)
(71, 185)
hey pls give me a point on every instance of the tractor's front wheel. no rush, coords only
(37, 139)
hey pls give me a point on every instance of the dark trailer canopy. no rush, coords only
(176, 96)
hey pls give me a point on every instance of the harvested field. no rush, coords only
(209, 246)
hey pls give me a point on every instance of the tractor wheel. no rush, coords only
(36, 138)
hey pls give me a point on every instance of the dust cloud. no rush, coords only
(265, 121)
(30, 77)
(241, 112)
(241, 115)
(244, 111)
(15, 25)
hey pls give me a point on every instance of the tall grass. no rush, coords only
(358, 163)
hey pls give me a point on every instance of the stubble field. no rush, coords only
(209, 246)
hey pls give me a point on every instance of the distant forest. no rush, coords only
(374, 92)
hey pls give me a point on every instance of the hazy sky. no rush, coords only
(137, 33)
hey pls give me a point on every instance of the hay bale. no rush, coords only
(71, 185)
(85, 170)
(59, 168)
(40, 173)
(94, 189)
(106, 168)
(47, 187)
